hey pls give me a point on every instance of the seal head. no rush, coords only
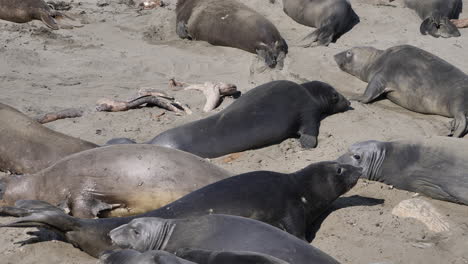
(357, 61)
(331, 100)
(143, 234)
(369, 155)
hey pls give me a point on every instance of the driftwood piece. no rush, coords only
(62, 114)
(110, 105)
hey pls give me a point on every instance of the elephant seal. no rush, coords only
(412, 78)
(332, 18)
(216, 233)
(232, 24)
(266, 115)
(130, 256)
(131, 179)
(186, 256)
(436, 167)
(28, 147)
(436, 15)
(299, 199)
(23, 11)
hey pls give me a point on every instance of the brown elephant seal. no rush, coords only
(299, 199)
(412, 78)
(28, 147)
(332, 18)
(436, 167)
(216, 233)
(23, 11)
(131, 179)
(436, 15)
(232, 24)
(186, 256)
(276, 111)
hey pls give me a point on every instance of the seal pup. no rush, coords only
(131, 179)
(266, 115)
(436, 167)
(28, 147)
(186, 256)
(332, 18)
(232, 24)
(412, 78)
(216, 233)
(436, 15)
(23, 11)
(299, 199)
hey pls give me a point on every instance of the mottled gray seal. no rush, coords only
(265, 115)
(299, 199)
(131, 179)
(23, 11)
(28, 147)
(232, 24)
(332, 18)
(436, 15)
(186, 256)
(412, 78)
(436, 167)
(216, 233)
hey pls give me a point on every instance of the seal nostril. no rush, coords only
(356, 157)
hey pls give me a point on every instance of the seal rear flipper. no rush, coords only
(53, 220)
(323, 36)
(27, 207)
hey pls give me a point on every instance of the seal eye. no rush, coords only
(356, 157)
(135, 232)
(349, 54)
(339, 171)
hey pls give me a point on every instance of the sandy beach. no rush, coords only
(120, 49)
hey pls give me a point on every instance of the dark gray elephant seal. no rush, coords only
(299, 199)
(216, 233)
(412, 78)
(332, 18)
(436, 15)
(187, 256)
(232, 24)
(23, 11)
(436, 167)
(28, 147)
(130, 256)
(115, 180)
(266, 115)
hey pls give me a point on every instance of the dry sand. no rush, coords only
(120, 50)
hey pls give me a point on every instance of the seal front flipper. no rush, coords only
(375, 88)
(459, 125)
(322, 36)
(49, 20)
(90, 208)
(182, 30)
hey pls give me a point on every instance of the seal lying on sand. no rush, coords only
(412, 78)
(216, 233)
(23, 11)
(28, 147)
(436, 167)
(186, 256)
(266, 115)
(133, 178)
(332, 18)
(232, 24)
(299, 199)
(436, 15)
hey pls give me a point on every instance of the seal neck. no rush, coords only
(158, 239)
(375, 160)
(17, 187)
(367, 72)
